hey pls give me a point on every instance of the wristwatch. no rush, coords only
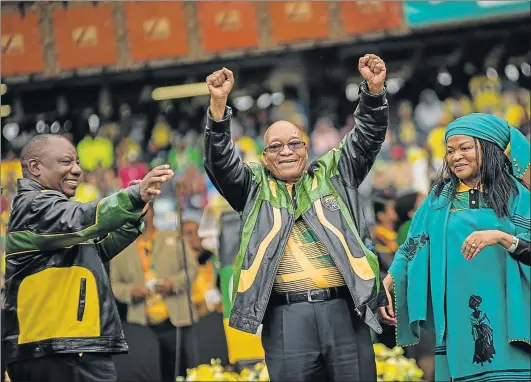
(514, 244)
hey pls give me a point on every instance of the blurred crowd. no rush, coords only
(408, 163)
(411, 156)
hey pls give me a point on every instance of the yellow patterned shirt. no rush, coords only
(306, 263)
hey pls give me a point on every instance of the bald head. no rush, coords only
(35, 149)
(285, 154)
(279, 130)
(52, 161)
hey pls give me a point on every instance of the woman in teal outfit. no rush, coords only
(464, 268)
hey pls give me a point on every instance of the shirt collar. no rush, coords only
(464, 188)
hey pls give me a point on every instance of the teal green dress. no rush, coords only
(476, 335)
(478, 308)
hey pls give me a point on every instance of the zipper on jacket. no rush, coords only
(82, 299)
(341, 270)
(279, 258)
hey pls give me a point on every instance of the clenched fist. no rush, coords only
(219, 86)
(373, 70)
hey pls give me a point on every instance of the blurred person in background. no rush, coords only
(314, 286)
(193, 188)
(407, 131)
(384, 230)
(88, 189)
(130, 165)
(406, 205)
(427, 114)
(435, 144)
(109, 182)
(418, 160)
(206, 296)
(325, 136)
(10, 172)
(96, 152)
(149, 276)
(184, 153)
(464, 268)
(59, 319)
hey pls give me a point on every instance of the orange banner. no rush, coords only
(227, 25)
(299, 20)
(84, 36)
(22, 51)
(364, 16)
(156, 29)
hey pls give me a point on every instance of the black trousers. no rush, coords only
(322, 341)
(88, 367)
(170, 350)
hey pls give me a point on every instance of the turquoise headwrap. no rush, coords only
(495, 130)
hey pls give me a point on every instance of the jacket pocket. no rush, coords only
(58, 302)
(82, 295)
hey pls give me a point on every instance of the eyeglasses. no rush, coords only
(277, 147)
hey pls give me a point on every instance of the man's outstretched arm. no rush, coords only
(225, 168)
(55, 222)
(359, 148)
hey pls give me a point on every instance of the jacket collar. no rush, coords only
(25, 184)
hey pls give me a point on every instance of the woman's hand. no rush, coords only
(478, 240)
(386, 312)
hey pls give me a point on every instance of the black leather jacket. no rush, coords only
(326, 197)
(58, 297)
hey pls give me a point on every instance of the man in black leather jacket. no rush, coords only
(303, 269)
(59, 318)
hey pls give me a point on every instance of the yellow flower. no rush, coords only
(397, 351)
(264, 375)
(391, 365)
(228, 376)
(201, 373)
(245, 373)
(379, 349)
(380, 367)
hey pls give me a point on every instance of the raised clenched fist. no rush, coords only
(373, 70)
(220, 84)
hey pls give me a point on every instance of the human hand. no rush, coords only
(139, 292)
(373, 70)
(478, 240)
(164, 287)
(387, 313)
(150, 185)
(219, 85)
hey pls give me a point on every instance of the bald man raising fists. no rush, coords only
(303, 270)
